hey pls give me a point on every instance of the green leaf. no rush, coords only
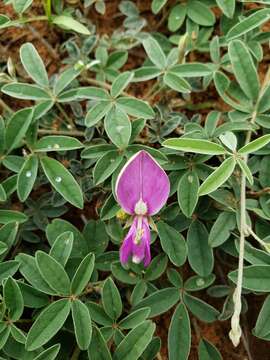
(62, 247)
(62, 180)
(82, 324)
(33, 64)
(156, 268)
(17, 127)
(97, 112)
(47, 324)
(135, 318)
(249, 23)
(49, 354)
(27, 177)
(21, 6)
(69, 23)
(197, 282)
(53, 273)
(208, 351)
(157, 5)
(106, 165)
(244, 69)
(176, 83)
(98, 349)
(146, 73)
(58, 227)
(255, 277)
(123, 275)
(96, 151)
(187, 192)
(200, 309)
(200, 13)
(159, 301)
(93, 93)
(65, 78)
(218, 177)
(262, 327)
(2, 135)
(111, 299)
(177, 17)
(17, 334)
(179, 337)
(154, 52)
(195, 146)
(173, 243)
(255, 145)
(13, 299)
(121, 82)
(98, 314)
(246, 170)
(8, 216)
(57, 143)
(221, 230)
(96, 236)
(3, 248)
(32, 297)
(133, 345)
(118, 127)
(135, 107)
(227, 7)
(29, 269)
(3, 195)
(83, 274)
(25, 91)
(200, 255)
(191, 70)
(229, 139)
(4, 336)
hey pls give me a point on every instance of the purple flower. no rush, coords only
(142, 188)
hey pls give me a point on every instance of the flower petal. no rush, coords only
(126, 248)
(142, 178)
(137, 251)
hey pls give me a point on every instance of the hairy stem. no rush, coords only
(235, 333)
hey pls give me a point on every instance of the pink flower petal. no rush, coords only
(142, 178)
(138, 252)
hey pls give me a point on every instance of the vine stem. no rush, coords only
(236, 332)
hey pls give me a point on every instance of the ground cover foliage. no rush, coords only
(186, 82)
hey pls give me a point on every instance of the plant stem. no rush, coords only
(48, 9)
(67, 118)
(76, 354)
(235, 333)
(61, 132)
(260, 241)
(5, 106)
(36, 18)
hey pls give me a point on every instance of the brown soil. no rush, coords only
(48, 40)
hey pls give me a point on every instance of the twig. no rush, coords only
(5, 106)
(256, 237)
(48, 46)
(75, 354)
(67, 118)
(61, 132)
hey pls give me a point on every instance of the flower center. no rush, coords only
(140, 208)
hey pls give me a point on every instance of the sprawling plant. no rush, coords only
(152, 136)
